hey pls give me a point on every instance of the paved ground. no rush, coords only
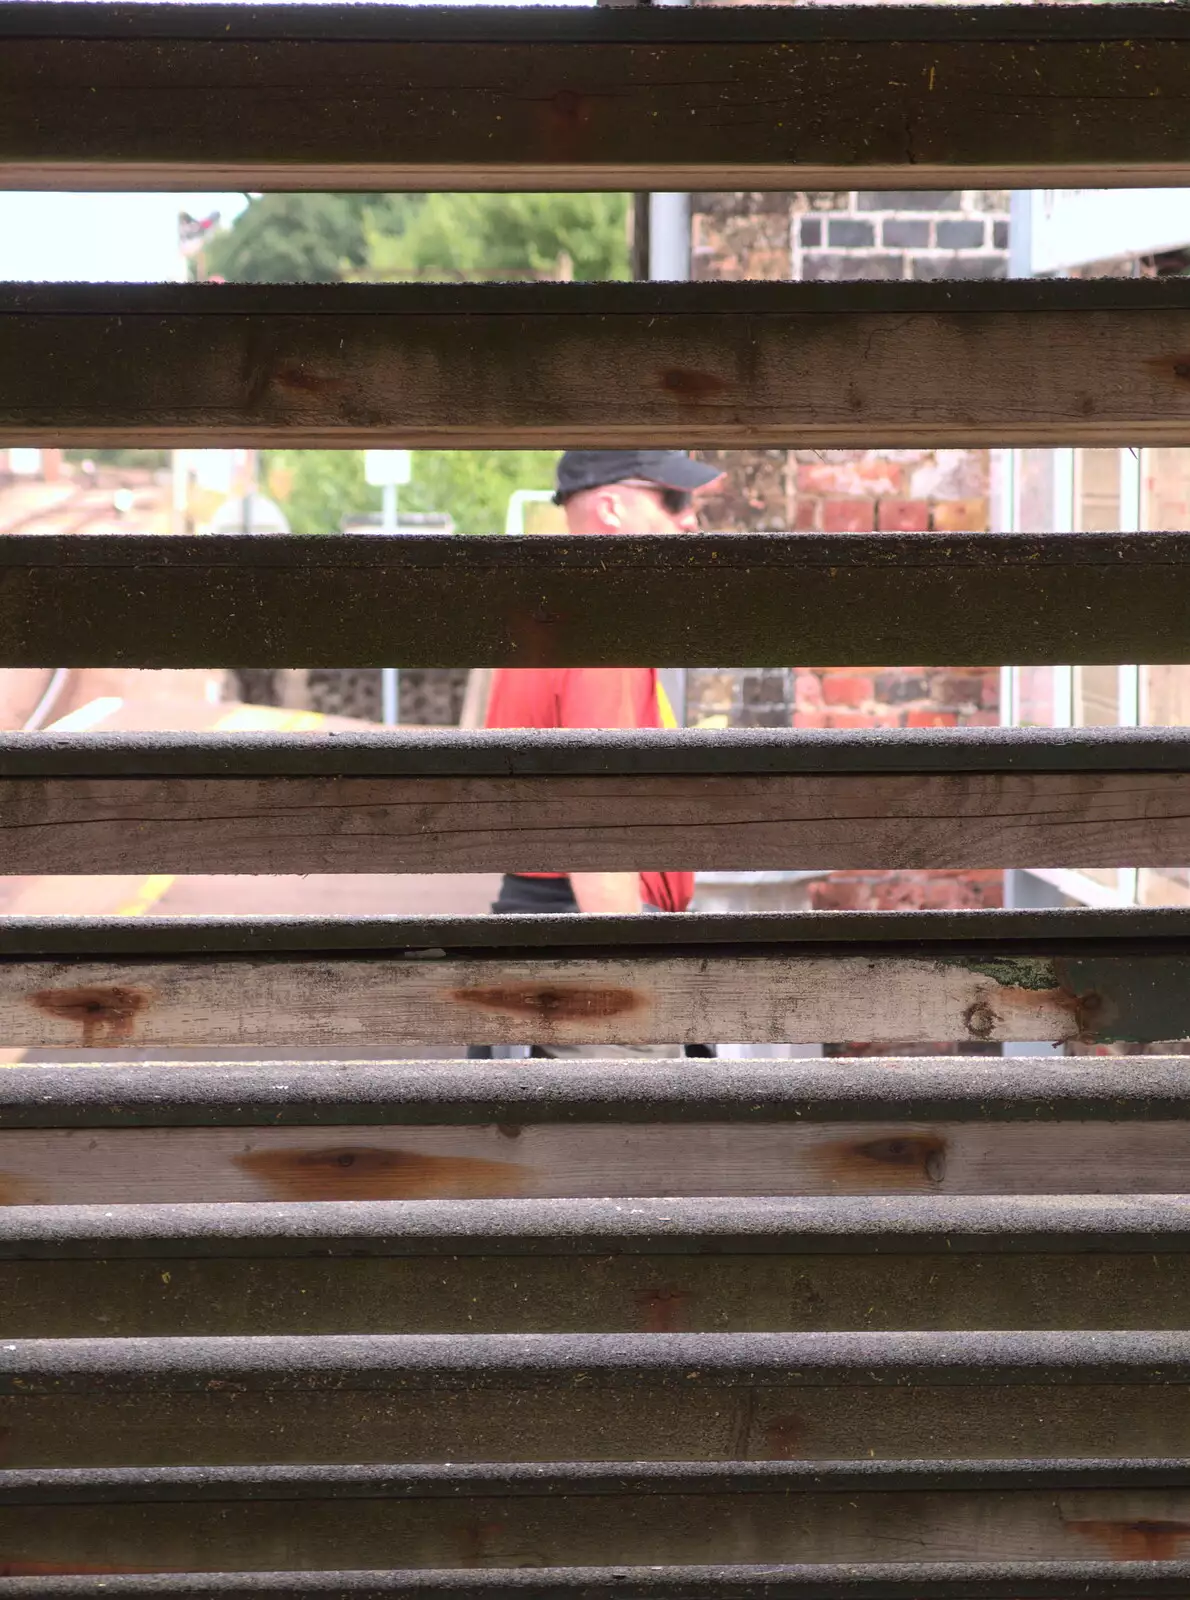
(372, 894)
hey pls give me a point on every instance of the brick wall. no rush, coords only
(905, 235)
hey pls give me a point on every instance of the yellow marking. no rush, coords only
(150, 891)
(243, 719)
(666, 711)
(931, 82)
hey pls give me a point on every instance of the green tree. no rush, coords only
(312, 238)
(292, 238)
(453, 236)
(318, 488)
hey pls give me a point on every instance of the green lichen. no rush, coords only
(1013, 972)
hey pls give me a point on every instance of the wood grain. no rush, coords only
(123, 1166)
(562, 824)
(335, 102)
(176, 1295)
(345, 1004)
(472, 1527)
(145, 601)
(615, 364)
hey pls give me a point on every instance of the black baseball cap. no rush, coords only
(592, 469)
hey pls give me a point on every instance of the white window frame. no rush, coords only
(1130, 687)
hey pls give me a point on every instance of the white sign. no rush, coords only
(385, 468)
(1054, 230)
(24, 461)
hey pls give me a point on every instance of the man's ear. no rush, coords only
(609, 511)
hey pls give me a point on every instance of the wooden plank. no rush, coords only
(432, 1266)
(525, 1397)
(348, 1004)
(173, 1295)
(153, 1166)
(613, 364)
(505, 1523)
(277, 1095)
(553, 822)
(898, 1580)
(335, 100)
(546, 601)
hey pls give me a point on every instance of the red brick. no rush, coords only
(930, 719)
(846, 688)
(848, 516)
(961, 516)
(989, 695)
(956, 690)
(902, 516)
(806, 515)
(807, 691)
(850, 719)
(980, 719)
(872, 475)
(810, 719)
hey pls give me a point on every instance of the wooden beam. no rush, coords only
(612, 1397)
(385, 1519)
(547, 601)
(544, 802)
(343, 1004)
(896, 1580)
(526, 1266)
(211, 1134)
(341, 97)
(612, 364)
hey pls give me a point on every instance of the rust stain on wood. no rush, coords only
(891, 1161)
(307, 382)
(14, 1191)
(782, 1438)
(685, 384)
(363, 1172)
(105, 1013)
(555, 1002)
(661, 1310)
(1139, 1540)
(479, 1543)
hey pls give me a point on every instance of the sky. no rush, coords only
(109, 238)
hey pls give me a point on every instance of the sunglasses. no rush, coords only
(675, 501)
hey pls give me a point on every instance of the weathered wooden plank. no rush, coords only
(1078, 932)
(899, 1580)
(279, 1094)
(170, 1294)
(347, 97)
(531, 1266)
(613, 364)
(330, 1521)
(350, 1003)
(681, 601)
(558, 823)
(526, 1397)
(122, 1166)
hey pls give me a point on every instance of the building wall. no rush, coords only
(853, 235)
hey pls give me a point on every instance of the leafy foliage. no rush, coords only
(318, 488)
(319, 238)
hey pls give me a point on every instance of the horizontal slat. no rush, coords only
(527, 1397)
(276, 1095)
(349, 1003)
(217, 1134)
(121, 1166)
(355, 98)
(1005, 1580)
(528, 1266)
(1076, 932)
(778, 803)
(909, 1224)
(157, 1522)
(613, 364)
(684, 601)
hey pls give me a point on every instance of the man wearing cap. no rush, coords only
(605, 492)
